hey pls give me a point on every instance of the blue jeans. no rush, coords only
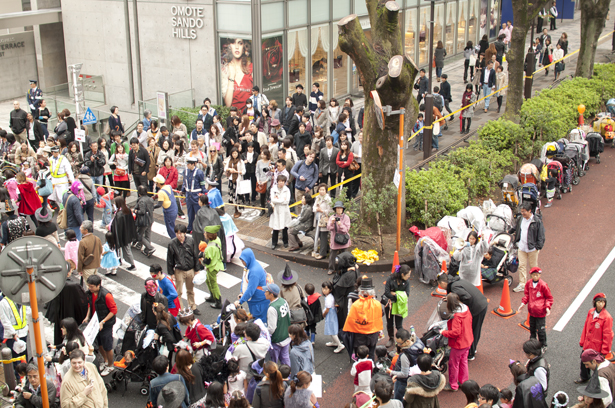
(438, 72)
(77, 232)
(434, 141)
(97, 180)
(486, 91)
(45, 131)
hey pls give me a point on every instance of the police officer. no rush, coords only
(35, 96)
(193, 186)
(15, 322)
(61, 174)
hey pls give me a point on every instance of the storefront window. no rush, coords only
(424, 35)
(236, 70)
(320, 11)
(340, 70)
(494, 19)
(438, 25)
(410, 35)
(297, 58)
(273, 67)
(451, 20)
(341, 8)
(462, 26)
(483, 19)
(412, 3)
(272, 16)
(297, 13)
(360, 7)
(234, 17)
(472, 21)
(320, 56)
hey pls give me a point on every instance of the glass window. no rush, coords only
(320, 11)
(462, 26)
(341, 8)
(451, 22)
(297, 12)
(234, 17)
(297, 58)
(483, 19)
(272, 16)
(410, 35)
(412, 3)
(472, 21)
(340, 70)
(438, 25)
(360, 7)
(320, 56)
(423, 35)
(494, 18)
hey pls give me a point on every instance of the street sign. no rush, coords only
(89, 118)
(49, 269)
(80, 135)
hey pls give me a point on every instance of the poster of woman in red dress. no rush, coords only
(236, 78)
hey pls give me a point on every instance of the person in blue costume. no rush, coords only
(255, 279)
(213, 194)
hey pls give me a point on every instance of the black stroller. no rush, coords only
(434, 341)
(595, 143)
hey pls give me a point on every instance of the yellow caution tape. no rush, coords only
(366, 257)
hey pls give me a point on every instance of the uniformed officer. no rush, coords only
(213, 194)
(61, 175)
(35, 96)
(193, 186)
(13, 317)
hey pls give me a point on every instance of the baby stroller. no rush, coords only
(222, 328)
(428, 259)
(570, 171)
(610, 106)
(604, 125)
(549, 150)
(139, 349)
(501, 246)
(559, 178)
(575, 152)
(529, 193)
(434, 341)
(529, 174)
(576, 136)
(595, 144)
(501, 219)
(510, 194)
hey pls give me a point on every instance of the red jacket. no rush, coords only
(598, 333)
(538, 298)
(203, 334)
(29, 201)
(170, 175)
(459, 331)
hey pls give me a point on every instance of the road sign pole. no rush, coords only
(37, 336)
(401, 178)
(75, 69)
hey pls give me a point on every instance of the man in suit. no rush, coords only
(327, 163)
(487, 79)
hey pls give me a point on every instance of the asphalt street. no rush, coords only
(579, 237)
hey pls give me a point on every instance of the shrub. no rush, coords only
(433, 193)
(503, 135)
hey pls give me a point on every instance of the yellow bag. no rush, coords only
(544, 173)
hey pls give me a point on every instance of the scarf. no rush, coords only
(233, 164)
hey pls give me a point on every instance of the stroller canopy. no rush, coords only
(473, 216)
(434, 233)
(455, 224)
(511, 181)
(501, 219)
(529, 174)
(428, 259)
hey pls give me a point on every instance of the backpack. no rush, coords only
(16, 228)
(63, 216)
(437, 102)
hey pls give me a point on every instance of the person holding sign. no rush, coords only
(101, 303)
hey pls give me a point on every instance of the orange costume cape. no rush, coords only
(365, 316)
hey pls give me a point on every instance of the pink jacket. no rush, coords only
(11, 185)
(71, 251)
(342, 229)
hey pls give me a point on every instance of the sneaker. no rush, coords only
(183, 217)
(544, 350)
(106, 371)
(331, 344)
(339, 349)
(196, 312)
(472, 358)
(131, 268)
(448, 388)
(519, 288)
(548, 205)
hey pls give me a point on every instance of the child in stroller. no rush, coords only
(494, 267)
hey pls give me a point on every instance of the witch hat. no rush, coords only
(593, 389)
(288, 276)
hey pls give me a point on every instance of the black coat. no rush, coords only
(250, 166)
(142, 154)
(299, 100)
(491, 79)
(391, 286)
(71, 126)
(96, 163)
(124, 229)
(146, 310)
(182, 256)
(205, 217)
(529, 394)
(445, 91)
(468, 294)
(343, 285)
(294, 125)
(287, 118)
(483, 44)
(38, 133)
(71, 302)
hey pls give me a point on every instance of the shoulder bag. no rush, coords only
(340, 239)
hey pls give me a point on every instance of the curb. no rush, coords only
(378, 266)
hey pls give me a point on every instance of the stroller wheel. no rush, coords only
(144, 391)
(576, 181)
(510, 280)
(108, 387)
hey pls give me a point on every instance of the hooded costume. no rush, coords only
(204, 217)
(29, 201)
(255, 279)
(343, 285)
(422, 390)
(71, 302)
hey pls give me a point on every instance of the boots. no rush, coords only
(211, 299)
(217, 304)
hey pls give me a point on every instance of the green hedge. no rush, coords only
(473, 172)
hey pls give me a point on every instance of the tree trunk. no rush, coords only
(523, 14)
(382, 67)
(593, 16)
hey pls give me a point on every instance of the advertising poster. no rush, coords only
(273, 68)
(236, 71)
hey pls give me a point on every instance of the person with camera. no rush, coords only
(338, 225)
(31, 396)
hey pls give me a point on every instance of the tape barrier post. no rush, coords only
(9, 372)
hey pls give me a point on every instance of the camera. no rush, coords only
(337, 218)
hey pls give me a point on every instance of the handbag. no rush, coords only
(340, 239)
(244, 187)
(261, 187)
(63, 217)
(472, 60)
(433, 63)
(550, 58)
(354, 166)
(120, 172)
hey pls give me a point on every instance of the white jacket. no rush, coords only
(281, 213)
(7, 318)
(470, 258)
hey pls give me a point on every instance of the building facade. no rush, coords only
(221, 48)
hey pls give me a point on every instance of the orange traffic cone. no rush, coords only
(480, 287)
(526, 324)
(610, 356)
(504, 310)
(395, 261)
(440, 292)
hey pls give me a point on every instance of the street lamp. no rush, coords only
(428, 129)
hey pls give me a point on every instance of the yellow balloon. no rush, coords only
(581, 109)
